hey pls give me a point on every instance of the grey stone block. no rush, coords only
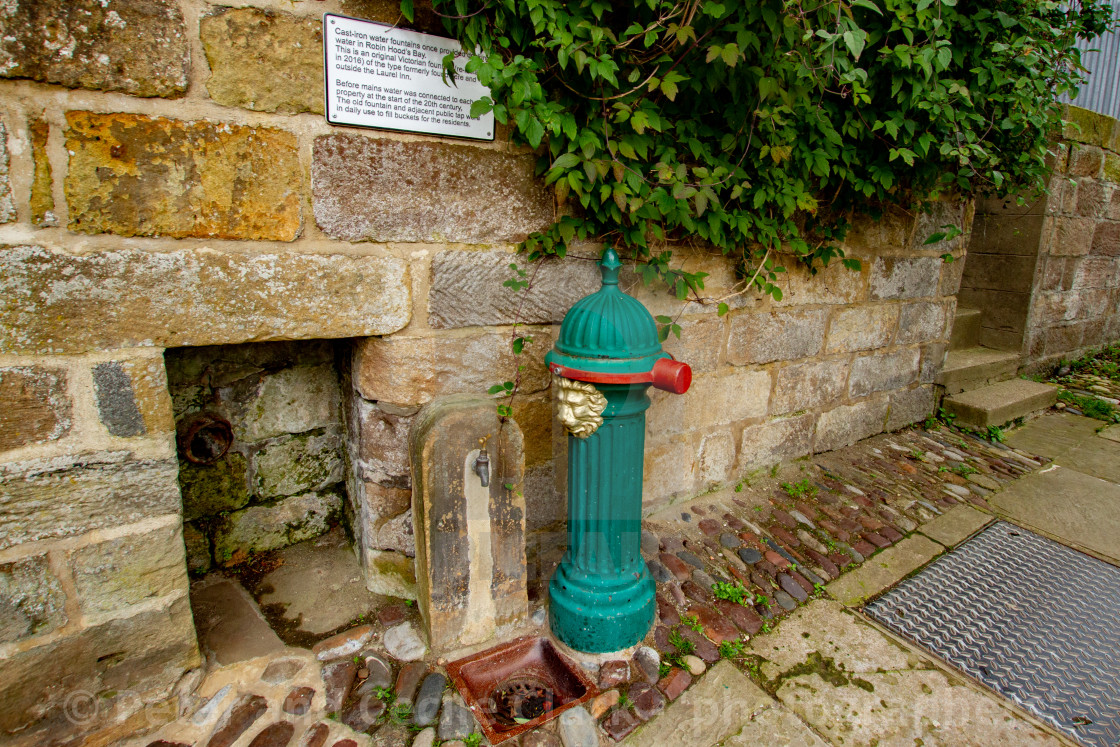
(847, 424)
(876, 373)
(116, 402)
(776, 336)
(293, 400)
(904, 277)
(467, 291)
(921, 322)
(32, 601)
(776, 440)
(302, 463)
(270, 527)
(805, 385)
(910, 406)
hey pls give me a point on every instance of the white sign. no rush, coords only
(381, 76)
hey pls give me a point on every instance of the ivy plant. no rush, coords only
(757, 128)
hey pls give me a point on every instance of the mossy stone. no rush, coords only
(210, 489)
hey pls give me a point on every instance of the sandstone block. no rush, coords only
(712, 399)
(467, 289)
(939, 215)
(910, 406)
(367, 188)
(264, 60)
(876, 373)
(1092, 198)
(7, 207)
(776, 336)
(776, 440)
(198, 550)
(67, 496)
(1073, 236)
(391, 574)
(276, 525)
(134, 175)
(832, 284)
(802, 386)
(32, 601)
(847, 424)
(921, 322)
(717, 457)
(396, 533)
(933, 360)
(893, 228)
(1085, 160)
(1112, 169)
(132, 395)
(210, 489)
(1106, 239)
(470, 537)
(699, 345)
(862, 328)
(64, 303)
(292, 400)
(34, 406)
(298, 464)
(143, 655)
(138, 48)
(669, 470)
(534, 417)
(951, 273)
(414, 370)
(42, 195)
(383, 443)
(904, 277)
(115, 574)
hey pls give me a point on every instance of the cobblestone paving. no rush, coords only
(728, 567)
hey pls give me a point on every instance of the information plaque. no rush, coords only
(389, 78)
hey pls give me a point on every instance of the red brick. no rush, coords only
(863, 548)
(716, 627)
(666, 612)
(614, 673)
(710, 527)
(870, 523)
(675, 683)
(744, 618)
(676, 566)
(876, 539)
(776, 560)
(802, 582)
(785, 537)
(783, 518)
(825, 564)
(620, 723)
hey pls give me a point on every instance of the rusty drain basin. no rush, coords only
(518, 686)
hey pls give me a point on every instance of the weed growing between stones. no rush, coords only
(799, 490)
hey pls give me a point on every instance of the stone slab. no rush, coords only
(36, 406)
(709, 712)
(138, 47)
(112, 575)
(272, 526)
(775, 727)
(467, 291)
(966, 329)
(134, 175)
(1070, 440)
(230, 627)
(884, 570)
(1000, 403)
(956, 525)
(320, 584)
(970, 368)
(65, 303)
(854, 685)
(1112, 433)
(69, 496)
(1077, 508)
(372, 189)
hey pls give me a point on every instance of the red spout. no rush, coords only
(672, 376)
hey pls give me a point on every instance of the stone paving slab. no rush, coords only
(856, 686)
(775, 727)
(230, 627)
(884, 570)
(1086, 515)
(1070, 440)
(1112, 433)
(956, 525)
(708, 713)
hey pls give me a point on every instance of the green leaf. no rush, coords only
(867, 4)
(730, 55)
(534, 132)
(495, 389)
(518, 345)
(480, 107)
(407, 10)
(855, 41)
(722, 309)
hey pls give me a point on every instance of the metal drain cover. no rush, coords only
(1032, 619)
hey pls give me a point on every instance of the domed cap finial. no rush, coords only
(609, 266)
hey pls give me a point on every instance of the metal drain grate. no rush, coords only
(1032, 619)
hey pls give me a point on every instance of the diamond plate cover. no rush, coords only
(1032, 619)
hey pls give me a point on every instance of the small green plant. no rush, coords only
(767, 627)
(663, 670)
(735, 592)
(995, 433)
(1090, 406)
(473, 740)
(940, 417)
(917, 455)
(732, 649)
(818, 589)
(624, 701)
(763, 600)
(400, 713)
(962, 469)
(386, 695)
(683, 646)
(801, 489)
(693, 622)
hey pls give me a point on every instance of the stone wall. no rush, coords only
(280, 481)
(167, 181)
(1046, 275)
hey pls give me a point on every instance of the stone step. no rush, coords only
(1000, 403)
(972, 368)
(966, 329)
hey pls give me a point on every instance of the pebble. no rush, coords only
(785, 600)
(749, 555)
(650, 543)
(428, 699)
(362, 713)
(408, 680)
(456, 722)
(659, 572)
(338, 678)
(649, 662)
(604, 703)
(703, 580)
(274, 735)
(694, 664)
(298, 701)
(613, 673)
(281, 670)
(540, 616)
(403, 643)
(245, 712)
(730, 541)
(426, 738)
(378, 674)
(691, 559)
(539, 738)
(577, 728)
(344, 644)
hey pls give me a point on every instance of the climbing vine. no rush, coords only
(757, 128)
